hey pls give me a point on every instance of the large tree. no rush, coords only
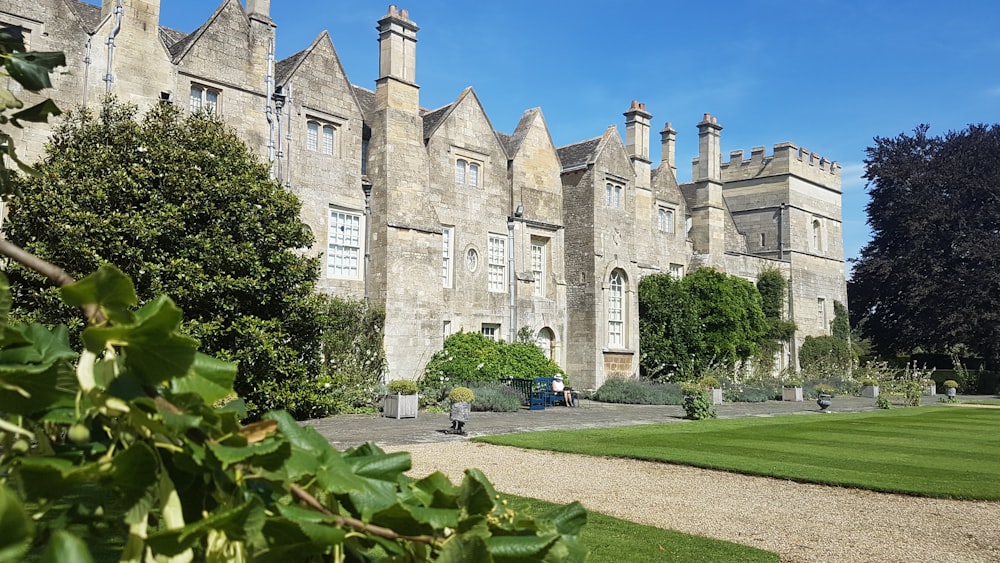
(930, 277)
(184, 208)
(707, 318)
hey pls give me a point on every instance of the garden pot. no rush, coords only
(400, 406)
(870, 391)
(950, 392)
(930, 390)
(793, 394)
(824, 401)
(716, 395)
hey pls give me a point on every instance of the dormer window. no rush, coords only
(321, 137)
(204, 98)
(613, 195)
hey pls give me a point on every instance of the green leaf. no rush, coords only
(237, 523)
(520, 548)
(464, 548)
(153, 351)
(476, 493)
(32, 69)
(267, 454)
(568, 519)
(38, 113)
(136, 474)
(16, 526)
(11, 38)
(108, 288)
(5, 300)
(64, 547)
(37, 375)
(209, 378)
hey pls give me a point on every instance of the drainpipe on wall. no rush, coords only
(108, 78)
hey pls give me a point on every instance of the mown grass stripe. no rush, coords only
(941, 451)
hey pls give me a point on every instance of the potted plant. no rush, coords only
(461, 405)
(402, 400)
(869, 388)
(696, 402)
(930, 388)
(824, 396)
(791, 390)
(714, 388)
(950, 388)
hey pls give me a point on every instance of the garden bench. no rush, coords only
(524, 386)
(549, 398)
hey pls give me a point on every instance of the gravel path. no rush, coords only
(799, 522)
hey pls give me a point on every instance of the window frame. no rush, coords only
(496, 263)
(665, 215)
(447, 257)
(321, 136)
(617, 309)
(613, 194)
(349, 246)
(491, 331)
(213, 108)
(539, 264)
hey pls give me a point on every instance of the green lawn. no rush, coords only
(928, 451)
(611, 540)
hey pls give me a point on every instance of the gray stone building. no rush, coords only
(446, 221)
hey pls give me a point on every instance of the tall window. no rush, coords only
(320, 137)
(538, 266)
(665, 220)
(821, 312)
(497, 272)
(467, 172)
(343, 254)
(446, 256)
(204, 98)
(544, 340)
(817, 235)
(616, 310)
(763, 240)
(612, 195)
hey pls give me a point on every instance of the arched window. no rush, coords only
(545, 340)
(312, 135)
(460, 166)
(616, 309)
(473, 174)
(816, 236)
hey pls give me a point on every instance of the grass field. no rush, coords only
(928, 451)
(611, 540)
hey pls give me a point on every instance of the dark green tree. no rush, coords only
(183, 207)
(930, 274)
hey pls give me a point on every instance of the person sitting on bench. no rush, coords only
(558, 387)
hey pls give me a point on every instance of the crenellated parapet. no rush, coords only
(786, 159)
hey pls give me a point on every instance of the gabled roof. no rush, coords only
(287, 67)
(433, 118)
(181, 47)
(578, 155)
(508, 142)
(171, 36)
(283, 68)
(366, 99)
(89, 14)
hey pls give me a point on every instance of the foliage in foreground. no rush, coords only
(130, 420)
(928, 451)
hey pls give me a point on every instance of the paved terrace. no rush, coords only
(345, 431)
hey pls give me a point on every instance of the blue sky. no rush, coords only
(826, 75)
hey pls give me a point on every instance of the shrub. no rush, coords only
(496, 398)
(461, 395)
(697, 405)
(711, 381)
(825, 350)
(471, 357)
(883, 403)
(403, 387)
(638, 392)
(868, 382)
(950, 384)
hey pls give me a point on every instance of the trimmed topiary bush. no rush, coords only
(461, 395)
(403, 387)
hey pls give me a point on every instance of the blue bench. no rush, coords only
(549, 398)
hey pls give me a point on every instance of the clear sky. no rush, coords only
(827, 75)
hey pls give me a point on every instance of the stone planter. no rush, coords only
(400, 406)
(824, 401)
(950, 392)
(793, 394)
(870, 391)
(930, 390)
(715, 395)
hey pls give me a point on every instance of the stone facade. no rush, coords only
(442, 219)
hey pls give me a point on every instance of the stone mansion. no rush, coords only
(448, 223)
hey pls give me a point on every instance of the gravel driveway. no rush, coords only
(800, 522)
